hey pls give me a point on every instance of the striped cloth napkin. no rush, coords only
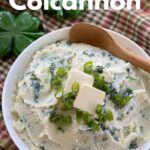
(133, 24)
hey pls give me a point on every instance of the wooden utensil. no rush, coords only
(97, 36)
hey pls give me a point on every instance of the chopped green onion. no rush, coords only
(88, 67)
(56, 83)
(85, 117)
(106, 88)
(120, 101)
(60, 119)
(61, 72)
(109, 115)
(68, 105)
(105, 116)
(100, 83)
(94, 125)
(59, 94)
(75, 87)
(67, 120)
(79, 116)
(68, 100)
(57, 119)
(69, 96)
(122, 98)
(102, 118)
(99, 109)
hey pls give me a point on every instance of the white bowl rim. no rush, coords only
(7, 114)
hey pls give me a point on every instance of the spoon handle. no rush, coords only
(99, 37)
(134, 59)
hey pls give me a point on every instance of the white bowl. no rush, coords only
(24, 59)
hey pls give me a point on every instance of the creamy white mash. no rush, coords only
(35, 101)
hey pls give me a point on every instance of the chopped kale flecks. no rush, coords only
(133, 145)
(36, 86)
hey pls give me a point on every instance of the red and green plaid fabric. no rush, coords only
(133, 24)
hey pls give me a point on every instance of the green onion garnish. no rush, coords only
(88, 67)
(120, 101)
(102, 118)
(109, 115)
(68, 100)
(57, 119)
(122, 98)
(61, 72)
(69, 97)
(100, 83)
(75, 87)
(68, 105)
(85, 117)
(60, 119)
(56, 83)
(103, 115)
(99, 109)
(94, 125)
(59, 94)
(67, 120)
(79, 116)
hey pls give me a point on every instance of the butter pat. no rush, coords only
(88, 98)
(78, 76)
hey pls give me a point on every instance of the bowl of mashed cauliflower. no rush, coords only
(60, 95)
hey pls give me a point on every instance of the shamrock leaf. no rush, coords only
(16, 33)
(5, 43)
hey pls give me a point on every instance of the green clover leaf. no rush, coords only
(17, 32)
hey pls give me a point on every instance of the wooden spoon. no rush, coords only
(97, 36)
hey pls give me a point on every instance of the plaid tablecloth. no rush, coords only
(133, 24)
